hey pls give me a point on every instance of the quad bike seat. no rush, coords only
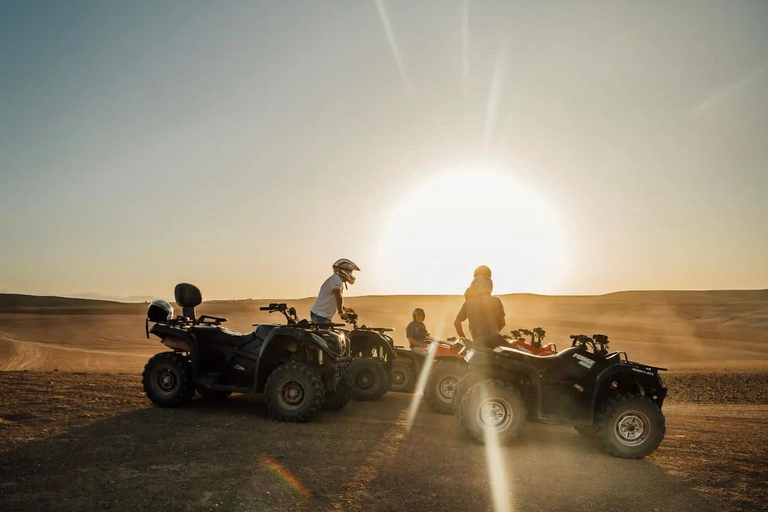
(540, 362)
(222, 335)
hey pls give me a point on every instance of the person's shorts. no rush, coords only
(317, 319)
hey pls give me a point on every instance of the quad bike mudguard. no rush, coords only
(290, 335)
(642, 378)
(365, 341)
(490, 365)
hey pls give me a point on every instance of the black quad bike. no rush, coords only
(373, 356)
(448, 367)
(300, 367)
(602, 394)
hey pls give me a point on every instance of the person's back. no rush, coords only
(486, 319)
(325, 306)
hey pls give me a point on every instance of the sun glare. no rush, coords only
(446, 227)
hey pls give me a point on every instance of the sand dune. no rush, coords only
(681, 330)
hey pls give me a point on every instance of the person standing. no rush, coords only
(484, 312)
(330, 299)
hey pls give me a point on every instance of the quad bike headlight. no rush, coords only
(470, 354)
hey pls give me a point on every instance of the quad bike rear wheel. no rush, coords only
(403, 375)
(462, 386)
(630, 426)
(492, 410)
(167, 379)
(212, 395)
(369, 379)
(294, 392)
(336, 400)
(441, 385)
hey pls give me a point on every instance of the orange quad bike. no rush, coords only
(535, 347)
(448, 367)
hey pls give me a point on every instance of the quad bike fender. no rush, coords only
(491, 367)
(364, 341)
(180, 341)
(281, 340)
(628, 378)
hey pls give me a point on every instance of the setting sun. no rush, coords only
(446, 226)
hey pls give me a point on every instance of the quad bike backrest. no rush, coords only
(188, 296)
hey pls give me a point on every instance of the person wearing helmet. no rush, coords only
(481, 281)
(417, 333)
(329, 300)
(484, 312)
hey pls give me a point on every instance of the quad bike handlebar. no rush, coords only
(281, 307)
(537, 335)
(598, 342)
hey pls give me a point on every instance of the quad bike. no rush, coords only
(517, 341)
(373, 355)
(601, 394)
(300, 367)
(448, 367)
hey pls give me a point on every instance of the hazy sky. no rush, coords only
(244, 146)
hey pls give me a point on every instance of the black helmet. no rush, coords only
(483, 270)
(419, 311)
(160, 311)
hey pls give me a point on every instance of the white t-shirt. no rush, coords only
(325, 305)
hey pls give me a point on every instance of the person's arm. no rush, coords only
(502, 317)
(415, 343)
(339, 301)
(459, 319)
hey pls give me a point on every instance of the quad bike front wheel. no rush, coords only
(294, 392)
(492, 411)
(442, 382)
(336, 400)
(369, 379)
(630, 426)
(167, 379)
(403, 375)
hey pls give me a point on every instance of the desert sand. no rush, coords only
(718, 330)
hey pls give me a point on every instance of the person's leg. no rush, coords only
(495, 342)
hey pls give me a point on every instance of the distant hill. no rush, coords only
(37, 304)
(112, 298)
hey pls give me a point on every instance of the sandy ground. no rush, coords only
(77, 432)
(83, 441)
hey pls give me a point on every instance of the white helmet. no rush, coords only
(344, 268)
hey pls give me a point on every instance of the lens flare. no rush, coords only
(284, 475)
(498, 476)
(420, 384)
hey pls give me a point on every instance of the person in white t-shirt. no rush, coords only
(329, 300)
